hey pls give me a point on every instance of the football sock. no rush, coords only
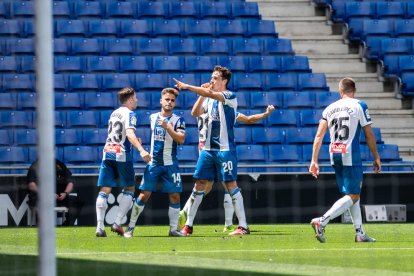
(238, 204)
(101, 206)
(228, 209)
(124, 206)
(192, 211)
(188, 203)
(339, 207)
(137, 209)
(174, 214)
(355, 211)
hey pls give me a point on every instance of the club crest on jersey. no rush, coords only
(338, 148)
(159, 134)
(367, 114)
(133, 120)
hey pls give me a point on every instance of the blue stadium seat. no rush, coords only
(285, 153)
(117, 81)
(405, 63)
(388, 152)
(60, 119)
(88, 9)
(144, 100)
(144, 133)
(304, 135)
(25, 137)
(199, 63)
(374, 27)
(283, 117)
(65, 28)
(134, 28)
(187, 153)
(167, 64)
(4, 10)
(250, 46)
(9, 64)
(121, 9)
(102, 64)
(151, 46)
(81, 119)
(377, 134)
(323, 99)
(199, 28)
(295, 64)
(80, 154)
(71, 100)
(28, 28)
(261, 28)
(15, 119)
(27, 64)
(186, 114)
(236, 63)
(281, 81)
(268, 135)
(26, 100)
(408, 83)
(390, 10)
(215, 10)
(24, 46)
(186, 46)
(243, 99)
(391, 67)
(245, 10)
(192, 79)
(310, 117)
(151, 81)
(59, 82)
(243, 135)
(189, 99)
(10, 28)
(184, 10)
(3, 49)
(324, 155)
(121, 46)
(167, 28)
(263, 99)
(299, 99)
(8, 101)
(215, 46)
(60, 46)
(277, 46)
(149, 9)
(143, 117)
(247, 82)
(94, 137)
(86, 46)
(404, 28)
(6, 137)
(64, 137)
(104, 118)
(134, 64)
(13, 155)
(97, 100)
(357, 9)
(246, 153)
(230, 28)
(22, 9)
(312, 81)
(65, 64)
(102, 27)
(18, 82)
(62, 10)
(84, 82)
(265, 63)
(396, 46)
(191, 135)
(410, 10)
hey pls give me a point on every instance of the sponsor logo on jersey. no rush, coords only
(112, 148)
(338, 148)
(133, 120)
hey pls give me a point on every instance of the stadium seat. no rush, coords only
(104, 118)
(236, 63)
(304, 135)
(14, 155)
(216, 46)
(81, 119)
(285, 153)
(277, 46)
(295, 64)
(388, 152)
(144, 100)
(299, 99)
(68, 100)
(10, 28)
(323, 99)
(281, 81)
(88, 9)
(247, 82)
(189, 120)
(86, 46)
(390, 10)
(184, 10)
(102, 27)
(80, 154)
(60, 46)
(391, 67)
(149, 9)
(186, 78)
(24, 46)
(199, 28)
(4, 10)
(310, 117)
(179, 46)
(102, 64)
(28, 28)
(215, 10)
(405, 63)
(62, 10)
(410, 10)
(265, 63)
(116, 81)
(94, 137)
(243, 135)
(64, 137)
(230, 28)
(121, 46)
(373, 27)
(9, 64)
(167, 28)
(22, 9)
(134, 28)
(263, 99)
(268, 135)
(246, 153)
(283, 117)
(26, 100)
(151, 81)
(324, 155)
(18, 82)
(199, 63)
(191, 135)
(67, 28)
(377, 134)
(66, 64)
(187, 153)
(27, 64)
(15, 119)
(59, 82)
(121, 9)
(144, 134)
(84, 82)
(395, 46)
(261, 28)
(97, 100)
(251, 46)
(60, 119)
(162, 64)
(312, 81)
(408, 83)
(143, 117)
(243, 99)
(245, 10)
(6, 137)
(25, 137)
(358, 9)
(134, 64)
(8, 101)
(151, 46)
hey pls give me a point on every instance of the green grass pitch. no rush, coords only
(282, 249)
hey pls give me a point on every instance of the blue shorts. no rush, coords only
(168, 176)
(111, 171)
(219, 165)
(348, 178)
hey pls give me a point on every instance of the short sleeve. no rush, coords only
(363, 115)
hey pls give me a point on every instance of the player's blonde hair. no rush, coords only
(170, 90)
(125, 93)
(347, 85)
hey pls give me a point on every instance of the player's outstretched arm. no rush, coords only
(255, 117)
(132, 138)
(202, 91)
(317, 143)
(372, 145)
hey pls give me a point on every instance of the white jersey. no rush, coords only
(345, 119)
(163, 147)
(117, 145)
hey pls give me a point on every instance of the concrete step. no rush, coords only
(387, 122)
(404, 142)
(291, 29)
(282, 1)
(344, 66)
(398, 113)
(315, 47)
(288, 9)
(382, 103)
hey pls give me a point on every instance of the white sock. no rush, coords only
(356, 215)
(339, 207)
(192, 211)
(124, 206)
(238, 204)
(101, 206)
(137, 209)
(228, 209)
(174, 215)
(188, 203)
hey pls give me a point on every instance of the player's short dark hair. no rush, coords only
(170, 90)
(225, 73)
(125, 93)
(348, 85)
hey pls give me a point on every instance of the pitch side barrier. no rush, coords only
(269, 197)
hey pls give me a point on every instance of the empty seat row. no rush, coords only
(154, 46)
(158, 64)
(378, 47)
(141, 81)
(396, 65)
(135, 9)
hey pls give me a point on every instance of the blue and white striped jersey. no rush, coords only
(220, 122)
(163, 147)
(117, 145)
(345, 119)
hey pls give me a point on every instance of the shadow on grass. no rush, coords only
(27, 265)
